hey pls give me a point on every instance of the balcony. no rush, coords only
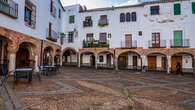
(95, 44)
(185, 43)
(162, 44)
(125, 44)
(52, 35)
(103, 22)
(9, 8)
(88, 23)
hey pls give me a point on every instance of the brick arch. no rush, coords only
(121, 51)
(156, 51)
(69, 48)
(182, 51)
(106, 51)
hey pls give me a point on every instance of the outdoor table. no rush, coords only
(50, 68)
(23, 73)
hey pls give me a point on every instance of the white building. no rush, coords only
(156, 35)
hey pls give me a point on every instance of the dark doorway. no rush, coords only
(22, 58)
(122, 62)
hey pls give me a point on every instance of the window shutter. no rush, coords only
(193, 7)
(177, 9)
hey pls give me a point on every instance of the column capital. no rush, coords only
(12, 48)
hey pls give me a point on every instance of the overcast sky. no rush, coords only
(98, 3)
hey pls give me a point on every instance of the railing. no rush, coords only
(185, 43)
(107, 66)
(9, 8)
(95, 44)
(53, 36)
(162, 44)
(87, 23)
(103, 22)
(125, 44)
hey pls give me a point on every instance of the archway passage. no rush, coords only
(185, 60)
(88, 59)
(48, 56)
(57, 57)
(24, 55)
(105, 60)
(157, 62)
(70, 57)
(130, 60)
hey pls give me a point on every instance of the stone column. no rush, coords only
(144, 65)
(12, 49)
(96, 60)
(61, 58)
(36, 63)
(116, 62)
(12, 62)
(79, 60)
(168, 64)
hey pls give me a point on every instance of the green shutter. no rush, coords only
(178, 40)
(193, 7)
(71, 19)
(177, 9)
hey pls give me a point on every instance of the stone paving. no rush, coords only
(89, 89)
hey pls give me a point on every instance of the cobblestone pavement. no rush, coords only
(89, 89)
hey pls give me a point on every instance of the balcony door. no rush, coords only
(128, 40)
(103, 37)
(178, 38)
(155, 39)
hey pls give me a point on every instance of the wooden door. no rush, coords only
(128, 40)
(163, 63)
(22, 58)
(155, 39)
(109, 59)
(92, 60)
(178, 40)
(122, 62)
(134, 61)
(174, 61)
(151, 63)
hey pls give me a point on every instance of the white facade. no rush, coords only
(146, 23)
(43, 17)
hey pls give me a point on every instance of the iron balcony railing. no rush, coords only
(125, 44)
(161, 44)
(88, 23)
(9, 8)
(103, 22)
(95, 44)
(185, 43)
(52, 35)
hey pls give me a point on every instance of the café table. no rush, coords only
(23, 73)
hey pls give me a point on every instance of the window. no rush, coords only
(134, 16)
(154, 10)
(70, 37)
(128, 17)
(140, 33)
(103, 37)
(71, 19)
(52, 9)
(122, 17)
(88, 22)
(89, 37)
(101, 58)
(193, 7)
(50, 29)
(155, 39)
(30, 14)
(177, 9)
(59, 16)
(103, 20)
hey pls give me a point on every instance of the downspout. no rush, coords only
(41, 54)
